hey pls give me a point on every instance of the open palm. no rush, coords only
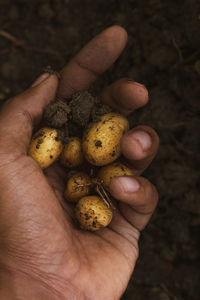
(42, 249)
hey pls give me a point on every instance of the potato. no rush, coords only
(72, 155)
(45, 147)
(119, 119)
(116, 169)
(92, 213)
(101, 141)
(78, 185)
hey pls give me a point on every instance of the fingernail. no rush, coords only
(129, 184)
(40, 79)
(143, 138)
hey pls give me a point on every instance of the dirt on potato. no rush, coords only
(162, 53)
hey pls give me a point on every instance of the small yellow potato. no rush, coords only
(101, 141)
(78, 186)
(45, 147)
(115, 169)
(92, 213)
(119, 119)
(72, 154)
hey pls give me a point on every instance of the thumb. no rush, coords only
(20, 113)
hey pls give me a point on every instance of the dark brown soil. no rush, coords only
(74, 116)
(163, 53)
(56, 114)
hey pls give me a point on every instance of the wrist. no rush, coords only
(15, 284)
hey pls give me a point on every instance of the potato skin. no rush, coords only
(73, 191)
(92, 213)
(116, 169)
(119, 119)
(72, 154)
(45, 147)
(101, 142)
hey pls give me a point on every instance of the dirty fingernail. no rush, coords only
(143, 138)
(40, 79)
(128, 184)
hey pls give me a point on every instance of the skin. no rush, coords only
(43, 255)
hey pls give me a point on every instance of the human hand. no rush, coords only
(42, 254)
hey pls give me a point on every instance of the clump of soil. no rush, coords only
(56, 114)
(73, 117)
(81, 106)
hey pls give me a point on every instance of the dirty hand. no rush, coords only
(42, 254)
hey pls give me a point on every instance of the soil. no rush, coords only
(74, 116)
(163, 53)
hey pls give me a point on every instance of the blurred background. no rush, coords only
(163, 52)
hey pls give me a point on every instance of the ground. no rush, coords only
(163, 53)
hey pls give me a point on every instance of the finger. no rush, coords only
(121, 226)
(125, 95)
(21, 113)
(138, 199)
(139, 146)
(123, 235)
(97, 56)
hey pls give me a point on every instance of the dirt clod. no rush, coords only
(56, 114)
(81, 106)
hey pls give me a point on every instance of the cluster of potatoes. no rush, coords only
(100, 146)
